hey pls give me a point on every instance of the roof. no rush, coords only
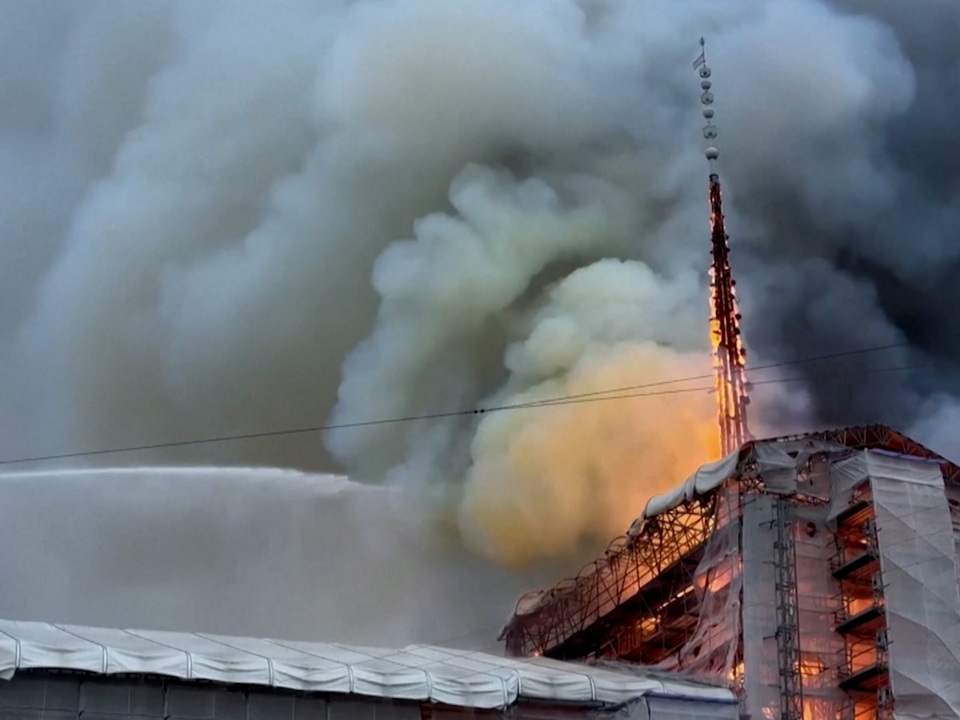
(418, 672)
(764, 452)
(878, 437)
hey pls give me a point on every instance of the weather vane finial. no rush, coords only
(706, 99)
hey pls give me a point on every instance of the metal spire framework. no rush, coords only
(728, 351)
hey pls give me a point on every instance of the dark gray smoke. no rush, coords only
(864, 252)
(236, 217)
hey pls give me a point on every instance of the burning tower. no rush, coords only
(818, 574)
(728, 351)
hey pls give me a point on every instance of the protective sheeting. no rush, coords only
(845, 475)
(776, 462)
(711, 649)
(737, 565)
(953, 502)
(418, 672)
(705, 479)
(761, 684)
(821, 649)
(918, 566)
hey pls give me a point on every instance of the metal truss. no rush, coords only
(881, 437)
(580, 616)
(788, 613)
(729, 352)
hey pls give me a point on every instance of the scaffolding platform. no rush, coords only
(861, 567)
(864, 622)
(872, 677)
(858, 513)
(652, 595)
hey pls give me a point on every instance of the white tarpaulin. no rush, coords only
(776, 463)
(918, 566)
(419, 672)
(759, 610)
(706, 478)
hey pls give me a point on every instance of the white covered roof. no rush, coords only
(776, 460)
(418, 672)
(705, 479)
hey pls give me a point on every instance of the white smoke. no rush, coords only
(455, 292)
(242, 217)
(238, 550)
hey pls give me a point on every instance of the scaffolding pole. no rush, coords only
(788, 617)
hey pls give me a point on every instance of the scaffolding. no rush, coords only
(718, 579)
(788, 614)
(641, 575)
(861, 618)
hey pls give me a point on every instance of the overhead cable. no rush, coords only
(620, 393)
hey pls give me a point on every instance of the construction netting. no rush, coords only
(740, 633)
(819, 650)
(711, 650)
(806, 621)
(916, 544)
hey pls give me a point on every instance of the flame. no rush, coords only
(543, 483)
(728, 351)
(861, 654)
(736, 672)
(718, 384)
(811, 666)
(858, 605)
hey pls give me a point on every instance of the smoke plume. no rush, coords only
(261, 552)
(229, 218)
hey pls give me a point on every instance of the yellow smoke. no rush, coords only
(545, 480)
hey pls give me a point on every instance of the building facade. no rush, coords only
(818, 574)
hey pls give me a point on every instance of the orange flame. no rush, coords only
(718, 384)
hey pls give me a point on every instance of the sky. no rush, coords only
(230, 218)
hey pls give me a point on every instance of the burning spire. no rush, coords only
(728, 351)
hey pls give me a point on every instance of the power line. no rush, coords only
(704, 388)
(710, 376)
(621, 393)
(334, 426)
